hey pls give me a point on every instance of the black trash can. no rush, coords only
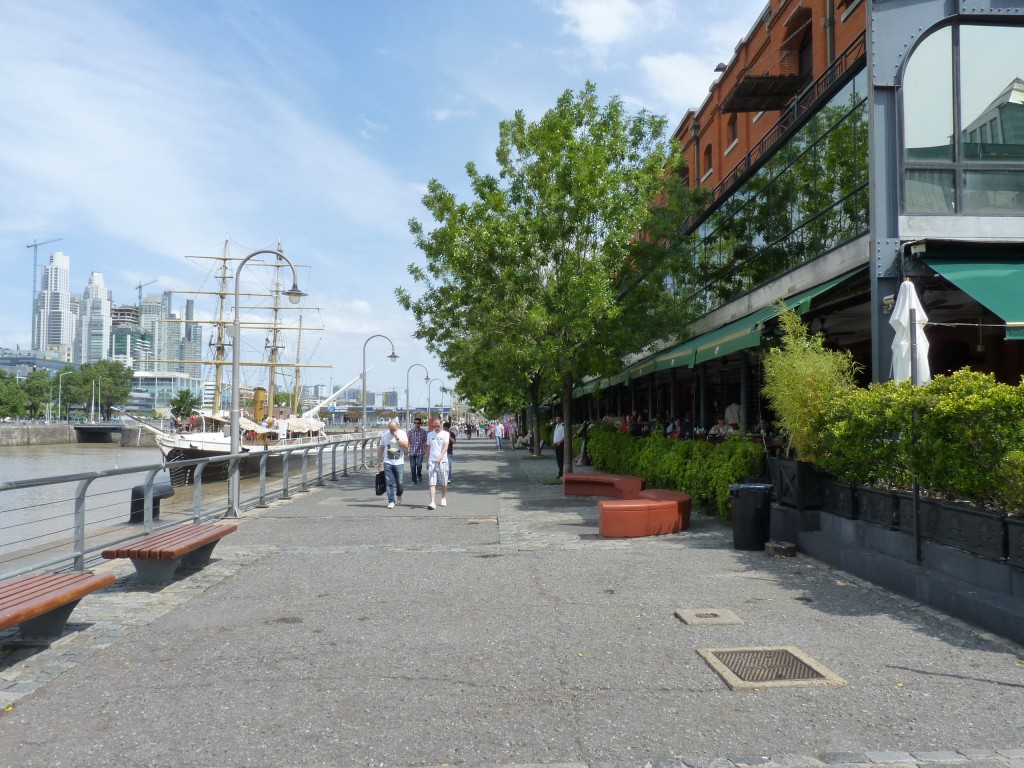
(138, 507)
(751, 515)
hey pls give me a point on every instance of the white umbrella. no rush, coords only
(901, 345)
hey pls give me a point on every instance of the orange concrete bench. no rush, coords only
(596, 484)
(40, 604)
(630, 518)
(157, 555)
(682, 500)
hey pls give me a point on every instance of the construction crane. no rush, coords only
(140, 286)
(34, 245)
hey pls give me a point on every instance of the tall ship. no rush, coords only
(206, 432)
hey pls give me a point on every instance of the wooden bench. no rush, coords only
(630, 518)
(40, 604)
(156, 556)
(683, 501)
(596, 484)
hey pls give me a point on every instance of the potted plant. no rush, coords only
(801, 379)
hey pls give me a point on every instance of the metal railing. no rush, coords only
(63, 521)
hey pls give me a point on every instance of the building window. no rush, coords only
(707, 161)
(963, 129)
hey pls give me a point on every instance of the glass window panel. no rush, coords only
(928, 99)
(994, 192)
(929, 192)
(991, 92)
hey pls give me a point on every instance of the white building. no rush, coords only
(94, 322)
(55, 318)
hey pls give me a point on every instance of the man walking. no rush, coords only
(558, 440)
(417, 446)
(391, 458)
(437, 462)
(499, 433)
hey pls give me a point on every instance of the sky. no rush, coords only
(142, 132)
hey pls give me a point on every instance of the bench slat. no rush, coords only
(169, 544)
(27, 597)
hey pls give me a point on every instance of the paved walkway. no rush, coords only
(499, 630)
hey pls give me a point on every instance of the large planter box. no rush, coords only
(905, 510)
(876, 506)
(797, 483)
(839, 498)
(1015, 540)
(965, 527)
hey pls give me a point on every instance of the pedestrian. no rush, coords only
(437, 462)
(558, 440)
(451, 448)
(417, 447)
(391, 458)
(513, 433)
(499, 433)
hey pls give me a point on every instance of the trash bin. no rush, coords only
(751, 515)
(138, 507)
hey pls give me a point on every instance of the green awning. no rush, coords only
(746, 333)
(994, 283)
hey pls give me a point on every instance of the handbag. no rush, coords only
(380, 484)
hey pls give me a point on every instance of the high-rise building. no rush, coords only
(92, 343)
(55, 319)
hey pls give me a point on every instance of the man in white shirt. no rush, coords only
(391, 458)
(558, 440)
(499, 433)
(437, 462)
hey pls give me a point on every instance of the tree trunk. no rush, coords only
(567, 382)
(535, 442)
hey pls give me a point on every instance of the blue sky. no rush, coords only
(143, 131)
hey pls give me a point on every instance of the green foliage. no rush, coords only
(13, 400)
(37, 387)
(703, 470)
(801, 378)
(183, 403)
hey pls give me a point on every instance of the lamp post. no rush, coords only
(429, 382)
(408, 413)
(294, 296)
(392, 357)
(60, 384)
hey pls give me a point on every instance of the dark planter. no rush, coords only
(966, 527)
(839, 498)
(1015, 540)
(876, 506)
(797, 483)
(905, 510)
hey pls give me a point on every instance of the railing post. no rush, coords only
(80, 524)
(284, 472)
(304, 485)
(147, 503)
(262, 503)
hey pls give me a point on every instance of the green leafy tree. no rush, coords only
(111, 382)
(560, 263)
(37, 387)
(183, 403)
(13, 400)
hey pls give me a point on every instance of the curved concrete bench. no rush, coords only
(683, 501)
(597, 484)
(630, 518)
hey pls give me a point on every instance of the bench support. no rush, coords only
(45, 629)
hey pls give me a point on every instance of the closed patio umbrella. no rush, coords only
(904, 350)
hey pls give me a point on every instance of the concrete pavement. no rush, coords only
(498, 630)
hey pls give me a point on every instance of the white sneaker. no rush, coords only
(431, 506)
(444, 502)
(391, 505)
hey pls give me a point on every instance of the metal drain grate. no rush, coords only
(708, 616)
(744, 668)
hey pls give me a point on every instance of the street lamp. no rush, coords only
(429, 382)
(60, 384)
(392, 357)
(294, 296)
(408, 413)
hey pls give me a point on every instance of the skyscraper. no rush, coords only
(55, 320)
(94, 322)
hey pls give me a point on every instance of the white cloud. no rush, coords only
(603, 24)
(680, 80)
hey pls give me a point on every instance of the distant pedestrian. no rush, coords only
(391, 458)
(499, 434)
(513, 433)
(558, 440)
(417, 447)
(437, 462)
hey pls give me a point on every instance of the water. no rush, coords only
(37, 519)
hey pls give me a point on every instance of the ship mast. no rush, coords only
(298, 369)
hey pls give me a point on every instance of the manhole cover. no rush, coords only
(708, 616)
(745, 668)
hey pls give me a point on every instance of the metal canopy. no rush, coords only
(761, 93)
(995, 283)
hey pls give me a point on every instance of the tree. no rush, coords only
(13, 399)
(183, 403)
(111, 381)
(38, 389)
(544, 275)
